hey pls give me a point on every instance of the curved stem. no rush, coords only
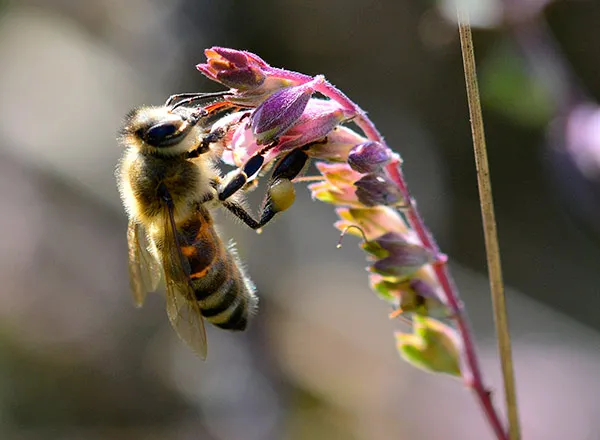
(471, 370)
(474, 379)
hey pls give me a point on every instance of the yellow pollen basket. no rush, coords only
(282, 194)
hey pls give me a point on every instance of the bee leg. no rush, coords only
(240, 212)
(234, 207)
(241, 176)
(281, 194)
(212, 137)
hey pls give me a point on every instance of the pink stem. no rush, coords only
(454, 303)
(473, 380)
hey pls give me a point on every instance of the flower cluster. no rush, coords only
(280, 113)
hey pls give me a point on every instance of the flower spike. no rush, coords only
(280, 118)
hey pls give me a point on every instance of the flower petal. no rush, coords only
(276, 114)
(234, 68)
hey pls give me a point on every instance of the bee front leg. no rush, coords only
(212, 137)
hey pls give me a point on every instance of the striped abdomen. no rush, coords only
(225, 294)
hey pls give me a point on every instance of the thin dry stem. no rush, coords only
(489, 224)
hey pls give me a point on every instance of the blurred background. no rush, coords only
(77, 361)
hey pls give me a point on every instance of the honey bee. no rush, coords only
(168, 184)
(167, 192)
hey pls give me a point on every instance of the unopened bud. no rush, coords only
(422, 288)
(399, 257)
(369, 157)
(376, 189)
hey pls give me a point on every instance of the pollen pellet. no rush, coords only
(282, 194)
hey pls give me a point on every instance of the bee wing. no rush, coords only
(187, 320)
(144, 270)
(182, 308)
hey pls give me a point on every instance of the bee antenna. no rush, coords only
(345, 230)
(196, 97)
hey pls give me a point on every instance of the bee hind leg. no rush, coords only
(281, 194)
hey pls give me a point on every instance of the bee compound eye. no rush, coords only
(160, 134)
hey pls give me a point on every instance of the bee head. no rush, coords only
(160, 130)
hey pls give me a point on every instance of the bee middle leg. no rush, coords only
(232, 206)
